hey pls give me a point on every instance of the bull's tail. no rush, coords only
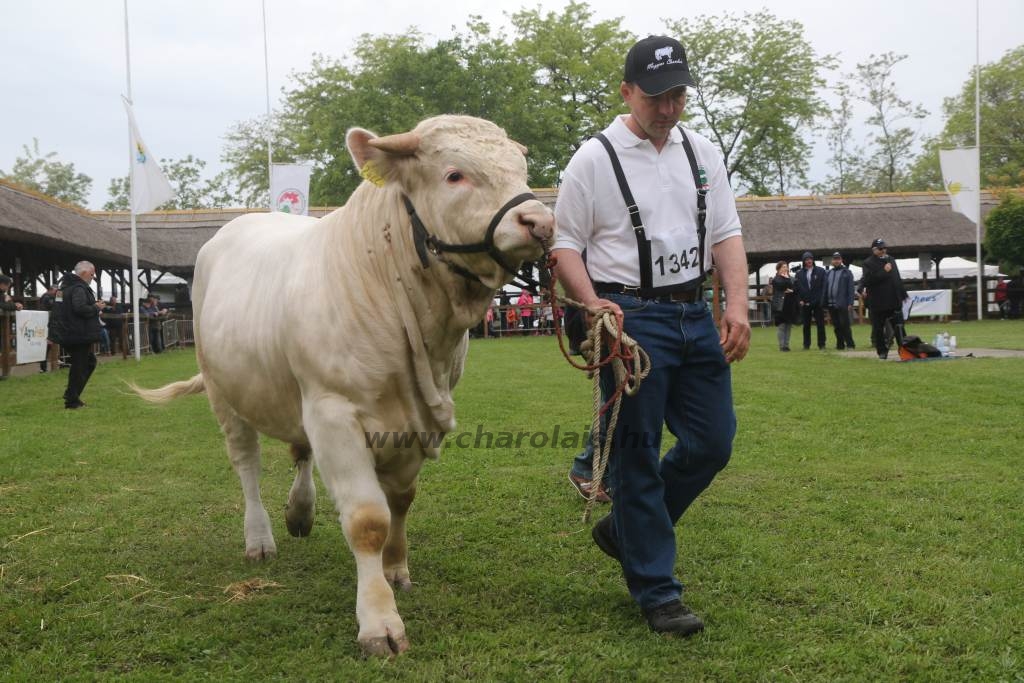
(169, 392)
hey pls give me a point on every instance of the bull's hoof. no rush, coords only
(261, 552)
(298, 525)
(398, 577)
(384, 646)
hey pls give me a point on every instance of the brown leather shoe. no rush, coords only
(583, 486)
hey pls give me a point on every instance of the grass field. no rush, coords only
(869, 527)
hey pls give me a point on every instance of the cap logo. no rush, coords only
(663, 57)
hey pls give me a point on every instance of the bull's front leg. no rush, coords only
(348, 471)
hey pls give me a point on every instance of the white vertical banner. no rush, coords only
(960, 173)
(289, 188)
(31, 329)
(150, 188)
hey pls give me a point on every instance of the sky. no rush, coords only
(197, 67)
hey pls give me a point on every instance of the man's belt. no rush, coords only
(686, 293)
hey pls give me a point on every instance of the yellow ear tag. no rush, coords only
(370, 172)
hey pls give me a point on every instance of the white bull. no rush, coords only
(324, 331)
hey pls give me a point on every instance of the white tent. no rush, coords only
(952, 267)
(767, 271)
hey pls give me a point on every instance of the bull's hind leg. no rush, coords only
(244, 451)
(400, 488)
(302, 498)
(348, 470)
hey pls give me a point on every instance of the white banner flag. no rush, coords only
(31, 329)
(150, 188)
(289, 188)
(960, 177)
(928, 302)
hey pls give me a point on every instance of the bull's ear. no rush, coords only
(522, 148)
(358, 142)
(374, 155)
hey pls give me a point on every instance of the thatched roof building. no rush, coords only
(43, 236)
(912, 223)
(774, 227)
(40, 236)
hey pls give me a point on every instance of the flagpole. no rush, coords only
(977, 143)
(131, 187)
(266, 79)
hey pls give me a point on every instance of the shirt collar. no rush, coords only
(621, 134)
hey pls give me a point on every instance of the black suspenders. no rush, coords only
(643, 245)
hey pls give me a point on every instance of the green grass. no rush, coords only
(870, 526)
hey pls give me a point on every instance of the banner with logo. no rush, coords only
(929, 302)
(150, 188)
(960, 177)
(289, 188)
(31, 335)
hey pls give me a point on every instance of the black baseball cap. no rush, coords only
(657, 64)
(837, 255)
(878, 244)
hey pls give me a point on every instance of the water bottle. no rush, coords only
(945, 343)
(952, 343)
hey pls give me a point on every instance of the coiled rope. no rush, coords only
(606, 345)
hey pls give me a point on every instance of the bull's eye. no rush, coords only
(454, 177)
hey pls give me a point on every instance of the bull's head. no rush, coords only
(458, 172)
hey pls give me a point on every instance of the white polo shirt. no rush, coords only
(591, 213)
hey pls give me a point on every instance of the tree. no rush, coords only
(1004, 231)
(1002, 126)
(43, 173)
(190, 190)
(886, 169)
(576, 66)
(394, 82)
(757, 92)
(845, 154)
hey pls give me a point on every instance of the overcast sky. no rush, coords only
(197, 66)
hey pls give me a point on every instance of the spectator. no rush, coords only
(153, 313)
(810, 291)
(6, 303)
(885, 294)
(839, 295)
(80, 329)
(503, 318)
(963, 297)
(510, 318)
(1015, 294)
(115, 321)
(785, 311)
(525, 304)
(48, 302)
(1002, 300)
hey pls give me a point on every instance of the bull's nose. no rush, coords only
(540, 223)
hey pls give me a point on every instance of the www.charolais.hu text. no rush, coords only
(556, 437)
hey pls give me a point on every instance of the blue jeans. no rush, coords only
(689, 389)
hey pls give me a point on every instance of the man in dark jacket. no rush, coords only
(810, 292)
(80, 329)
(839, 297)
(881, 279)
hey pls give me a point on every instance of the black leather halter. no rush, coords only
(425, 242)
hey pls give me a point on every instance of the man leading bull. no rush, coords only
(647, 266)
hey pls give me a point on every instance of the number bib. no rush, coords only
(675, 258)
